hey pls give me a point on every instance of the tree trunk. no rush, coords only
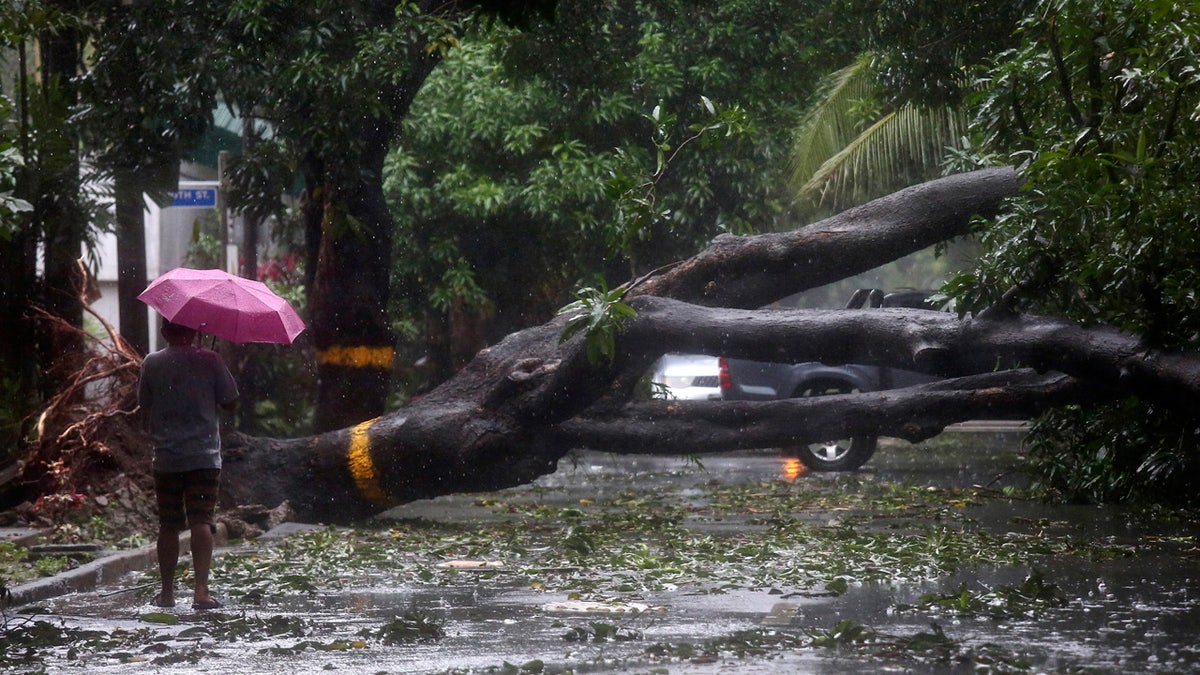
(131, 262)
(57, 210)
(18, 281)
(349, 297)
(18, 354)
(520, 405)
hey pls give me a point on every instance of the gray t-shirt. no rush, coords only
(180, 389)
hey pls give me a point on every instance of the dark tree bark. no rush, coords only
(61, 220)
(131, 261)
(520, 405)
(914, 414)
(18, 275)
(749, 272)
(348, 298)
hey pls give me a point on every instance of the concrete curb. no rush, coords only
(111, 565)
(106, 569)
(86, 577)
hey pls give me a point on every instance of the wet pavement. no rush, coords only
(1133, 606)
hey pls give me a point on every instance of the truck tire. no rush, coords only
(843, 454)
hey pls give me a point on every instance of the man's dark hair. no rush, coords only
(176, 330)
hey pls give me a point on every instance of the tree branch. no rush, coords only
(914, 414)
(937, 343)
(521, 404)
(756, 270)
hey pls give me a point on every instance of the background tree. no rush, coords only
(504, 181)
(42, 299)
(16, 373)
(61, 214)
(1098, 104)
(852, 146)
(891, 117)
(145, 99)
(333, 80)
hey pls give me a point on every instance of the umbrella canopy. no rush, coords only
(224, 305)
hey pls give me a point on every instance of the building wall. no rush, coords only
(169, 233)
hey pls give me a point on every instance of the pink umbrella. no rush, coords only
(224, 305)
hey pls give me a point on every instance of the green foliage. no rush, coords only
(1032, 597)
(600, 631)
(523, 165)
(17, 566)
(283, 376)
(889, 119)
(286, 380)
(851, 148)
(205, 251)
(1123, 451)
(317, 71)
(1098, 104)
(845, 633)
(146, 96)
(44, 189)
(414, 625)
(12, 413)
(637, 214)
(10, 161)
(926, 48)
(28, 642)
(600, 315)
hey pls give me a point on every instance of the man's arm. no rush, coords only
(227, 390)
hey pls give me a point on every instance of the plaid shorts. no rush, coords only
(186, 498)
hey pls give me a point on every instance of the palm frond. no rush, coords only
(901, 147)
(831, 124)
(839, 166)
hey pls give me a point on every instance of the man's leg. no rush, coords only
(168, 490)
(202, 548)
(168, 558)
(200, 498)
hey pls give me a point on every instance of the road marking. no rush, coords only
(362, 467)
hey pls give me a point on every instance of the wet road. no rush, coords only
(1137, 611)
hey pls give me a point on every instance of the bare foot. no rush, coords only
(163, 600)
(210, 603)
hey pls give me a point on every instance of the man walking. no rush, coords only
(181, 388)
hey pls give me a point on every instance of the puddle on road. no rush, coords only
(1134, 610)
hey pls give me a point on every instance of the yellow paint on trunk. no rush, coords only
(356, 357)
(362, 467)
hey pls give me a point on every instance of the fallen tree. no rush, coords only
(520, 405)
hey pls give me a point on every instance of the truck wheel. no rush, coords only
(842, 454)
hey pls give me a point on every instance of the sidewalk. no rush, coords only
(110, 565)
(107, 568)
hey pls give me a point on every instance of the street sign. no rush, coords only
(195, 197)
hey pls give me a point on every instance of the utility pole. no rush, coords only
(249, 217)
(223, 206)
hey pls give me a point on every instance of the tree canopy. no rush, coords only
(520, 170)
(1098, 105)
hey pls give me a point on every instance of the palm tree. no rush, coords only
(852, 148)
